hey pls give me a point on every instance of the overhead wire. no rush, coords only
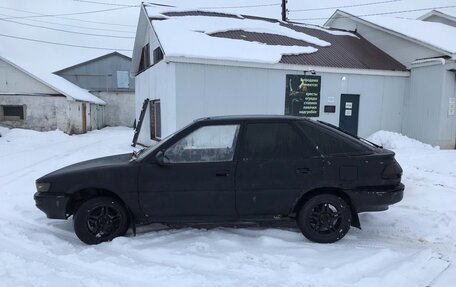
(243, 6)
(346, 6)
(64, 44)
(61, 24)
(66, 31)
(377, 14)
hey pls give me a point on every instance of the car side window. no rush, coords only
(275, 141)
(213, 143)
(329, 142)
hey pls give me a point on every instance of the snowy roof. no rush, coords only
(243, 38)
(449, 15)
(112, 54)
(438, 36)
(57, 83)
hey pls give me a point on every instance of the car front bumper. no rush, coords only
(52, 204)
(376, 198)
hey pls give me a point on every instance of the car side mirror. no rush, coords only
(161, 158)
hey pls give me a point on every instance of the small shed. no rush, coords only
(43, 101)
(193, 64)
(108, 78)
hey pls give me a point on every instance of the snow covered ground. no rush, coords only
(408, 245)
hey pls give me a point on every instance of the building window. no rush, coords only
(123, 80)
(158, 55)
(12, 113)
(144, 63)
(155, 120)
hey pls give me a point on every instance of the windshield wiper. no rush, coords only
(350, 134)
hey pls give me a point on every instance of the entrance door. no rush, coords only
(84, 117)
(349, 112)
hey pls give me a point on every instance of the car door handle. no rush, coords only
(222, 173)
(303, 170)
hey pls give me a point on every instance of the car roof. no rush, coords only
(249, 118)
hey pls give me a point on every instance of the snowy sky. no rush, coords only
(116, 28)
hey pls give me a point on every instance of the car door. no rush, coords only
(276, 165)
(197, 180)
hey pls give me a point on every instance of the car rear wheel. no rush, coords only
(100, 219)
(324, 218)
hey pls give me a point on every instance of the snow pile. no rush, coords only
(3, 131)
(392, 140)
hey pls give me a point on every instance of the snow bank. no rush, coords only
(392, 140)
(3, 131)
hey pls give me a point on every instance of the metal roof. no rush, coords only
(345, 51)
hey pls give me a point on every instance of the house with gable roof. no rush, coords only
(428, 50)
(439, 16)
(44, 101)
(193, 64)
(108, 78)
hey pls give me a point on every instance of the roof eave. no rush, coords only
(283, 66)
(373, 25)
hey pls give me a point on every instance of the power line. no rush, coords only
(246, 6)
(65, 14)
(377, 14)
(61, 24)
(63, 44)
(105, 3)
(67, 31)
(347, 6)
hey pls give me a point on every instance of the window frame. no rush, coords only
(144, 61)
(154, 128)
(236, 142)
(291, 124)
(4, 118)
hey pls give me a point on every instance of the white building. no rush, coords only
(195, 64)
(428, 50)
(45, 102)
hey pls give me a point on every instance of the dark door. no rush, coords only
(198, 179)
(84, 117)
(349, 112)
(275, 167)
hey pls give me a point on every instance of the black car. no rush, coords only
(235, 170)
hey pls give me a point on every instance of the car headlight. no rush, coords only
(43, 186)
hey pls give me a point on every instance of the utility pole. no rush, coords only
(284, 10)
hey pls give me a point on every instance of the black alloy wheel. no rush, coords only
(100, 219)
(324, 218)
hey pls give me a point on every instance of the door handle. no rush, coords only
(303, 170)
(222, 173)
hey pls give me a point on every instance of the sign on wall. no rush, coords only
(302, 95)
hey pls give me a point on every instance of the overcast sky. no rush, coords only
(115, 28)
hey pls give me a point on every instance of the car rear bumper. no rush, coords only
(376, 198)
(52, 204)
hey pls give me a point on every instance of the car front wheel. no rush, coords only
(324, 218)
(100, 219)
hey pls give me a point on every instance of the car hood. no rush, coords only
(98, 163)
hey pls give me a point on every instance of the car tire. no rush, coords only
(100, 219)
(324, 218)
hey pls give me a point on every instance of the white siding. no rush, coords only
(209, 90)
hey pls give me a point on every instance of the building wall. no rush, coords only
(400, 49)
(210, 90)
(119, 109)
(426, 115)
(100, 75)
(14, 81)
(157, 82)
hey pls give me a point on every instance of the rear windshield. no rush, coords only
(330, 141)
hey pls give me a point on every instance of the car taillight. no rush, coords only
(392, 171)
